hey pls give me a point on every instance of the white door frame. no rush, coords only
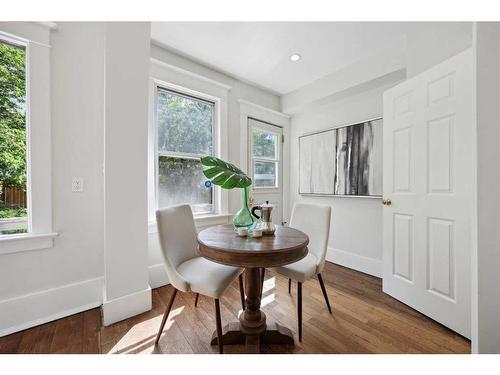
(258, 112)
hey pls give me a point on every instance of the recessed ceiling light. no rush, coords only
(295, 57)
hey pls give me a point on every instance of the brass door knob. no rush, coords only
(386, 202)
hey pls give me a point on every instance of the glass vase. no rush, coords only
(243, 218)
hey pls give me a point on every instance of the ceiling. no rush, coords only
(258, 52)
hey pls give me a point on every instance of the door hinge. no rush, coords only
(282, 138)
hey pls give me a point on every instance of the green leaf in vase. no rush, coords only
(224, 174)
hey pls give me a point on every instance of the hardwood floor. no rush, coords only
(364, 320)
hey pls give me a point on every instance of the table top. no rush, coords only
(221, 244)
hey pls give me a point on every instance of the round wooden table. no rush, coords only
(222, 245)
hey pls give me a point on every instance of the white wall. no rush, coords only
(44, 284)
(355, 94)
(127, 290)
(486, 325)
(429, 43)
(356, 227)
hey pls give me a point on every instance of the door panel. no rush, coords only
(440, 155)
(428, 176)
(441, 254)
(403, 246)
(440, 89)
(402, 160)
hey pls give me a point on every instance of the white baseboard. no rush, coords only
(19, 313)
(357, 262)
(157, 275)
(124, 307)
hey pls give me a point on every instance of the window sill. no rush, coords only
(26, 242)
(200, 221)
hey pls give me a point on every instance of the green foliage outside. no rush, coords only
(184, 128)
(12, 116)
(12, 123)
(264, 144)
(7, 212)
(265, 147)
(184, 124)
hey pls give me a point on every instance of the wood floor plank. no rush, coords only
(364, 320)
(28, 341)
(91, 331)
(10, 344)
(173, 341)
(68, 335)
(196, 333)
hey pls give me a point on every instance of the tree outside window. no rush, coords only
(185, 133)
(12, 139)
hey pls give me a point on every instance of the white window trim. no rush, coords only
(36, 39)
(26, 242)
(177, 79)
(249, 110)
(276, 159)
(176, 90)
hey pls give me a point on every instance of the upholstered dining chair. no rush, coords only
(313, 220)
(187, 271)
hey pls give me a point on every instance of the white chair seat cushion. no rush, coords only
(302, 270)
(207, 277)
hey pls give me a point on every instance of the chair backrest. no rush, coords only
(313, 220)
(177, 235)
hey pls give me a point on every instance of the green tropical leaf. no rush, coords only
(223, 174)
(211, 172)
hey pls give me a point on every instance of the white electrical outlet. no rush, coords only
(77, 184)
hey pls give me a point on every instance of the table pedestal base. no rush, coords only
(252, 330)
(274, 334)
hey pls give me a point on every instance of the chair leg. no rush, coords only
(263, 274)
(219, 325)
(299, 309)
(242, 292)
(323, 289)
(196, 299)
(289, 286)
(165, 316)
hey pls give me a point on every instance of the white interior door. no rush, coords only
(429, 177)
(265, 157)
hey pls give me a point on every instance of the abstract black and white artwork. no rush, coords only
(342, 161)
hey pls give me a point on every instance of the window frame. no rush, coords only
(20, 43)
(35, 38)
(276, 160)
(194, 95)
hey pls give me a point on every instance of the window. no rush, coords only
(25, 138)
(265, 158)
(13, 194)
(185, 132)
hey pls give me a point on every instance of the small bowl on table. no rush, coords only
(256, 233)
(242, 232)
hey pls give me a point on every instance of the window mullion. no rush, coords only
(264, 159)
(180, 155)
